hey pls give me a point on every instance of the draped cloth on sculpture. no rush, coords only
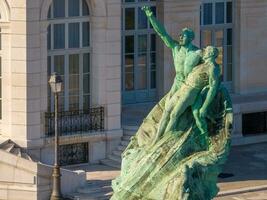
(177, 167)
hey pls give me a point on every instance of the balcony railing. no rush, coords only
(75, 122)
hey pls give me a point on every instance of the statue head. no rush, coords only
(186, 37)
(210, 52)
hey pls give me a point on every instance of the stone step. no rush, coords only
(95, 190)
(130, 128)
(124, 143)
(99, 196)
(117, 152)
(121, 148)
(126, 138)
(97, 183)
(115, 158)
(129, 133)
(111, 163)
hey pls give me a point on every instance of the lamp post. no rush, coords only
(55, 83)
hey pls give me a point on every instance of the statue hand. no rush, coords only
(203, 112)
(147, 10)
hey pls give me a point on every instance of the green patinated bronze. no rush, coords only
(179, 149)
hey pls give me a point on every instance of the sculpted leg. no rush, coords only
(165, 117)
(200, 122)
(186, 99)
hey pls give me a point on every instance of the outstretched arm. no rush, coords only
(214, 82)
(159, 28)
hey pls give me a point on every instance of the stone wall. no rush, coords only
(22, 179)
(250, 46)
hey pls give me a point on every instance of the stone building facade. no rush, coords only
(126, 64)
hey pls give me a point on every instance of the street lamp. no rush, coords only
(55, 83)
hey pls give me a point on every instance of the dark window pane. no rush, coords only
(129, 63)
(85, 8)
(74, 8)
(229, 13)
(219, 10)
(200, 15)
(153, 9)
(86, 63)
(129, 60)
(86, 83)
(59, 36)
(229, 72)
(49, 65)
(74, 85)
(129, 19)
(86, 101)
(49, 37)
(74, 64)
(129, 81)
(229, 54)
(59, 64)
(129, 44)
(73, 103)
(207, 13)
(229, 36)
(142, 19)
(254, 123)
(142, 72)
(59, 8)
(142, 43)
(153, 80)
(153, 42)
(153, 58)
(86, 34)
(49, 13)
(74, 35)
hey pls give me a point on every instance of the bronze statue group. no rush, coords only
(181, 146)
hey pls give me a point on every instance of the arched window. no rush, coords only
(68, 44)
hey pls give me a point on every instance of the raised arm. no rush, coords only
(159, 28)
(214, 82)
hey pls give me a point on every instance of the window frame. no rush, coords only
(224, 27)
(148, 31)
(67, 51)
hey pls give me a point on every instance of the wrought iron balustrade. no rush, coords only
(75, 122)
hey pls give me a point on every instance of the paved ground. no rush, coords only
(259, 195)
(248, 164)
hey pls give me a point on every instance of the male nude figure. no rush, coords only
(185, 55)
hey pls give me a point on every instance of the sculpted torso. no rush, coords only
(184, 61)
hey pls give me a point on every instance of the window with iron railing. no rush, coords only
(69, 54)
(75, 122)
